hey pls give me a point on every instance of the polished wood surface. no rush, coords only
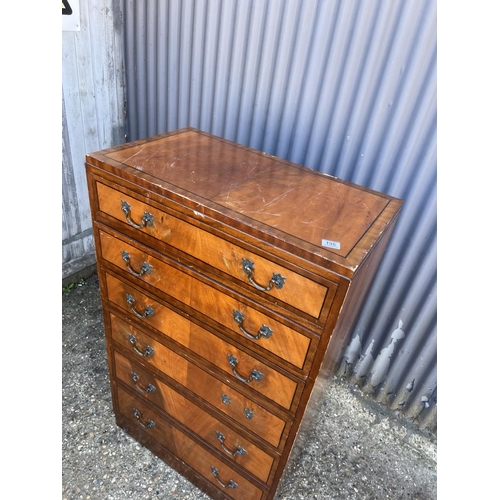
(262, 422)
(230, 350)
(215, 251)
(145, 384)
(276, 386)
(292, 205)
(280, 196)
(285, 342)
(185, 448)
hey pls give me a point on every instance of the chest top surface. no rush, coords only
(292, 206)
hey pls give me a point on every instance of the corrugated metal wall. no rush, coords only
(93, 117)
(344, 87)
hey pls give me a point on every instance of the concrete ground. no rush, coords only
(356, 450)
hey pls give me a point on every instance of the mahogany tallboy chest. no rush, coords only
(230, 282)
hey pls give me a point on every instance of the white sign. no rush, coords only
(71, 15)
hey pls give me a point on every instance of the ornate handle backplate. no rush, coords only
(149, 424)
(147, 218)
(238, 450)
(140, 387)
(149, 351)
(277, 280)
(264, 330)
(148, 310)
(255, 375)
(230, 484)
(145, 268)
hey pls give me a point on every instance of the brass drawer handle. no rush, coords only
(148, 311)
(147, 425)
(145, 269)
(147, 218)
(231, 483)
(238, 451)
(149, 351)
(140, 387)
(255, 375)
(277, 280)
(264, 331)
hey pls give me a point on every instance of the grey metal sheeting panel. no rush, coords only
(344, 87)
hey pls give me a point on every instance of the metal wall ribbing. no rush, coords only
(344, 87)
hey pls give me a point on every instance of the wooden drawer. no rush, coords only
(220, 436)
(267, 333)
(270, 383)
(298, 291)
(248, 413)
(193, 454)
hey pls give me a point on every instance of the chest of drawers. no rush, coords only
(230, 282)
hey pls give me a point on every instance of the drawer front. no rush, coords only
(220, 436)
(270, 334)
(242, 367)
(226, 399)
(194, 455)
(298, 291)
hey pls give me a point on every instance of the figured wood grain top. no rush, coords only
(299, 207)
